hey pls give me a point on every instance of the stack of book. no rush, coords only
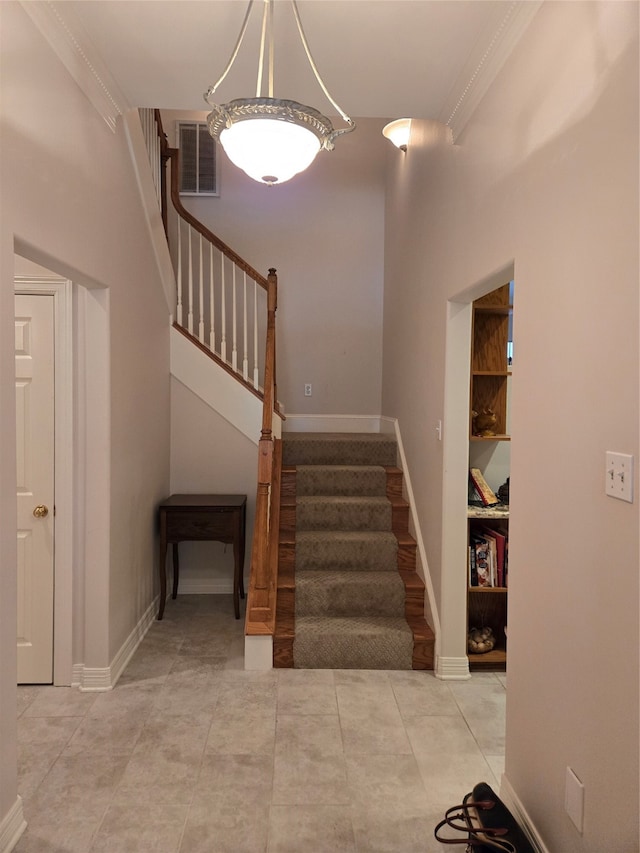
(488, 556)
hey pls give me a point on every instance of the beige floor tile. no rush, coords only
(304, 778)
(420, 694)
(72, 836)
(217, 828)
(130, 829)
(116, 733)
(391, 830)
(385, 780)
(60, 702)
(482, 704)
(315, 734)
(235, 780)
(164, 775)
(247, 733)
(307, 698)
(316, 829)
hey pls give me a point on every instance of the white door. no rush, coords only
(35, 469)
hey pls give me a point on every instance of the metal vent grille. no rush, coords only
(198, 166)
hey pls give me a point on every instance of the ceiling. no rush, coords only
(378, 58)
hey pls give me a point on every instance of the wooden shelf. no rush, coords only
(494, 658)
(483, 590)
(490, 437)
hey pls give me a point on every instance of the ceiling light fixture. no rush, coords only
(271, 139)
(398, 132)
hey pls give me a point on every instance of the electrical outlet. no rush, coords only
(619, 476)
(574, 799)
(307, 389)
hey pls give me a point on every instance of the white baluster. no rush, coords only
(255, 335)
(190, 314)
(223, 311)
(201, 298)
(245, 360)
(179, 276)
(234, 350)
(212, 311)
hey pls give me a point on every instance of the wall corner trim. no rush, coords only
(12, 826)
(513, 802)
(102, 679)
(452, 669)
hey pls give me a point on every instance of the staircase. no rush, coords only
(348, 593)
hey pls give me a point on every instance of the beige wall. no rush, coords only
(324, 232)
(546, 175)
(69, 200)
(209, 455)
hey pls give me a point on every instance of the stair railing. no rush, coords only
(227, 308)
(221, 300)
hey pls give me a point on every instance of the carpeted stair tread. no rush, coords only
(343, 513)
(355, 642)
(342, 448)
(349, 550)
(363, 480)
(337, 593)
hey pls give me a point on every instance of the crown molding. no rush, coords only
(492, 49)
(71, 44)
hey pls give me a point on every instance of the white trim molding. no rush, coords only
(452, 669)
(101, 679)
(392, 426)
(514, 804)
(69, 41)
(332, 423)
(12, 826)
(485, 62)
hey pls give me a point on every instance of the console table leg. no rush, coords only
(163, 579)
(176, 571)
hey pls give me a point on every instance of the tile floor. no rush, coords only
(190, 753)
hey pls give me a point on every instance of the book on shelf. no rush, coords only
(482, 488)
(499, 541)
(483, 563)
(473, 572)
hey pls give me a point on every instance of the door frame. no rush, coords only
(61, 290)
(452, 663)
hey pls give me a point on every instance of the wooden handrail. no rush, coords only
(173, 155)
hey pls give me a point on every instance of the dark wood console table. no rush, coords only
(197, 518)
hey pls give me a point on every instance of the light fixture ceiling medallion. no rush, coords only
(271, 139)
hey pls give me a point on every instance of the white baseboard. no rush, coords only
(452, 669)
(132, 642)
(514, 804)
(206, 586)
(332, 423)
(101, 679)
(12, 826)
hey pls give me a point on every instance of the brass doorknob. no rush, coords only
(41, 511)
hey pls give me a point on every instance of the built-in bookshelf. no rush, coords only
(488, 518)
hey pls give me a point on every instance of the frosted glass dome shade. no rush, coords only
(270, 151)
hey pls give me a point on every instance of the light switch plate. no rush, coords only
(619, 476)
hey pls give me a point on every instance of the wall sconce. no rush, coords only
(398, 132)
